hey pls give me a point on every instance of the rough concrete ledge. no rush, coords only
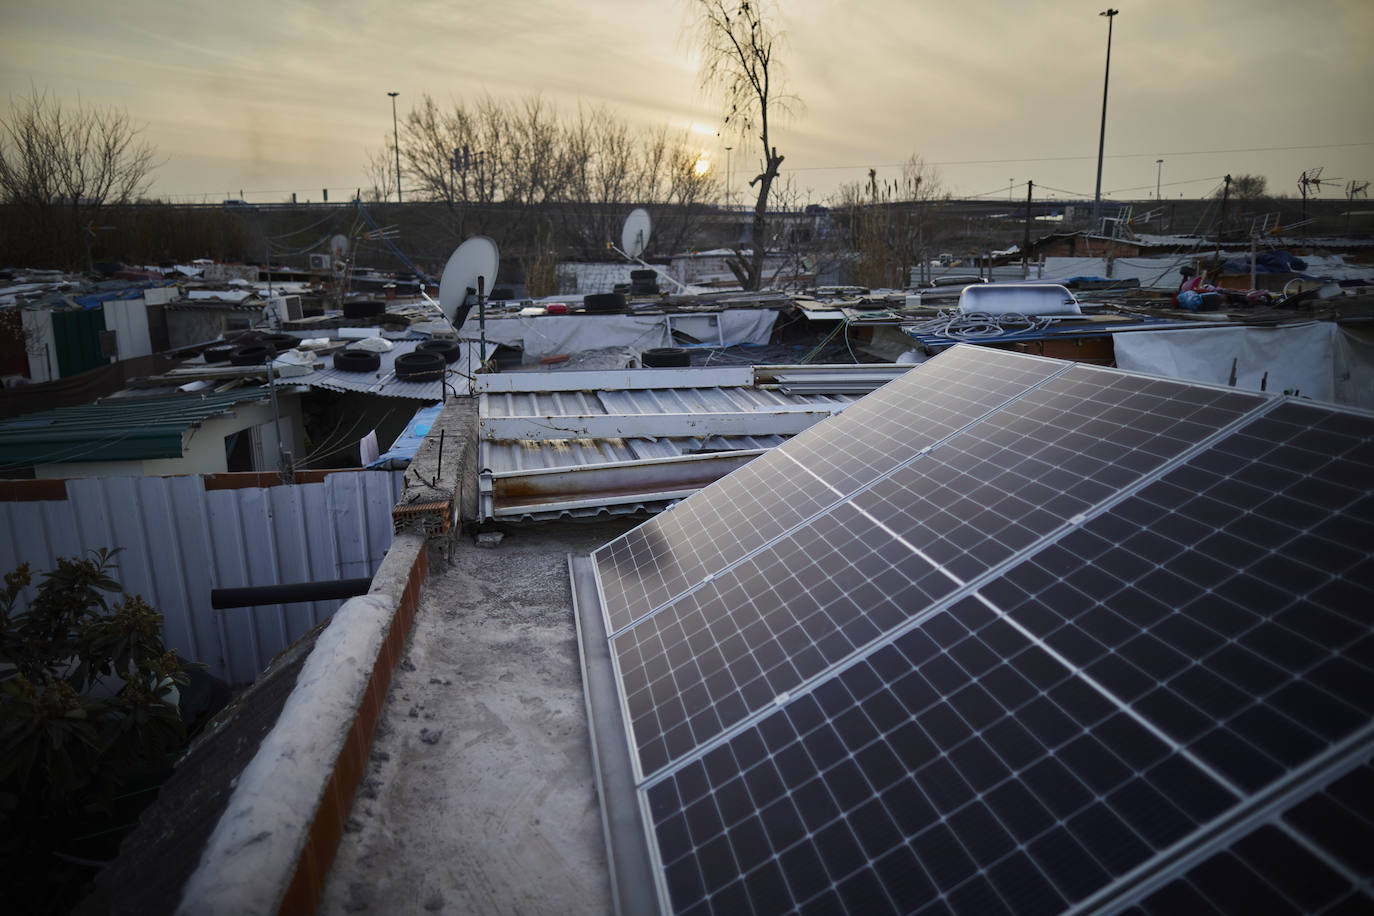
(273, 846)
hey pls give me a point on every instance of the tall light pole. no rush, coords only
(727, 176)
(1102, 135)
(396, 141)
(1159, 170)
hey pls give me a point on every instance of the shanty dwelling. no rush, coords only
(1009, 634)
(235, 430)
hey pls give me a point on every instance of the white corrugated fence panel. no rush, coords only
(180, 541)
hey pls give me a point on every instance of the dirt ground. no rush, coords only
(479, 796)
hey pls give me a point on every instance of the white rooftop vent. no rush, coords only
(1018, 299)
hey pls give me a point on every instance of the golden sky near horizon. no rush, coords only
(270, 98)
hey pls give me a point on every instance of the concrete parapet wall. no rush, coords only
(273, 846)
(276, 840)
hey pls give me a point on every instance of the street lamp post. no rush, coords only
(1102, 135)
(727, 176)
(396, 142)
(1159, 170)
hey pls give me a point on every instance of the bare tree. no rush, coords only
(1249, 187)
(606, 171)
(380, 170)
(891, 223)
(737, 40)
(60, 166)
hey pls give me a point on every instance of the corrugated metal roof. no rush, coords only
(504, 455)
(645, 471)
(384, 383)
(644, 402)
(116, 429)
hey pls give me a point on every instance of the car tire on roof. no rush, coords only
(281, 341)
(665, 358)
(604, 302)
(420, 366)
(217, 354)
(254, 354)
(448, 349)
(356, 361)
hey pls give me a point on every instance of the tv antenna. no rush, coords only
(1355, 189)
(1313, 178)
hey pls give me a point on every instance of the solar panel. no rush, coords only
(643, 569)
(809, 599)
(1110, 643)
(1311, 858)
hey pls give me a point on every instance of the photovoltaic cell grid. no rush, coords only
(1272, 869)
(960, 767)
(645, 568)
(1231, 602)
(1023, 471)
(808, 600)
(993, 758)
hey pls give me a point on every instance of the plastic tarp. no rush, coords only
(408, 442)
(552, 335)
(1321, 360)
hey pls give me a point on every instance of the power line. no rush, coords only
(1203, 152)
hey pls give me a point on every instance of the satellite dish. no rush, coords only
(476, 258)
(634, 238)
(338, 247)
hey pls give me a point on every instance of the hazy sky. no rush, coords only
(290, 95)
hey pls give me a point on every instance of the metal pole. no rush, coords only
(727, 176)
(396, 142)
(482, 319)
(1025, 245)
(1159, 171)
(276, 415)
(1102, 134)
(1225, 197)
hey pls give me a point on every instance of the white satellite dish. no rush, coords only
(477, 258)
(634, 238)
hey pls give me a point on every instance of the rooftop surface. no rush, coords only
(479, 795)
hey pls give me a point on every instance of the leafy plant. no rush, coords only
(87, 710)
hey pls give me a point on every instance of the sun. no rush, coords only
(702, 166)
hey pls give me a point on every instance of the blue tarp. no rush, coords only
(406, 444)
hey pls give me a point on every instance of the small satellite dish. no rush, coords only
(477, 257)
(634, 238)
(338, 247)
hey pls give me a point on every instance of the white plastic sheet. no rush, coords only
(550, 335)
(1318, 360)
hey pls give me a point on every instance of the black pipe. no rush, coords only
(255, 595)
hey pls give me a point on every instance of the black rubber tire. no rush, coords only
(217, 354)
(365, 308)
(280, 341)
(448, 349)
(665, 358)
(642, 276)
(604, 302)
(357, 361)
(254, 354)
(419, 366)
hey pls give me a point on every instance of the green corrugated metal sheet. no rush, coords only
(120, 429)
(76, 337)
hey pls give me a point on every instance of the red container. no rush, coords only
(556, 308)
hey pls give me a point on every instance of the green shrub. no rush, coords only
(87, 713)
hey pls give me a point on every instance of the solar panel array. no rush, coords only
(1080, 639)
